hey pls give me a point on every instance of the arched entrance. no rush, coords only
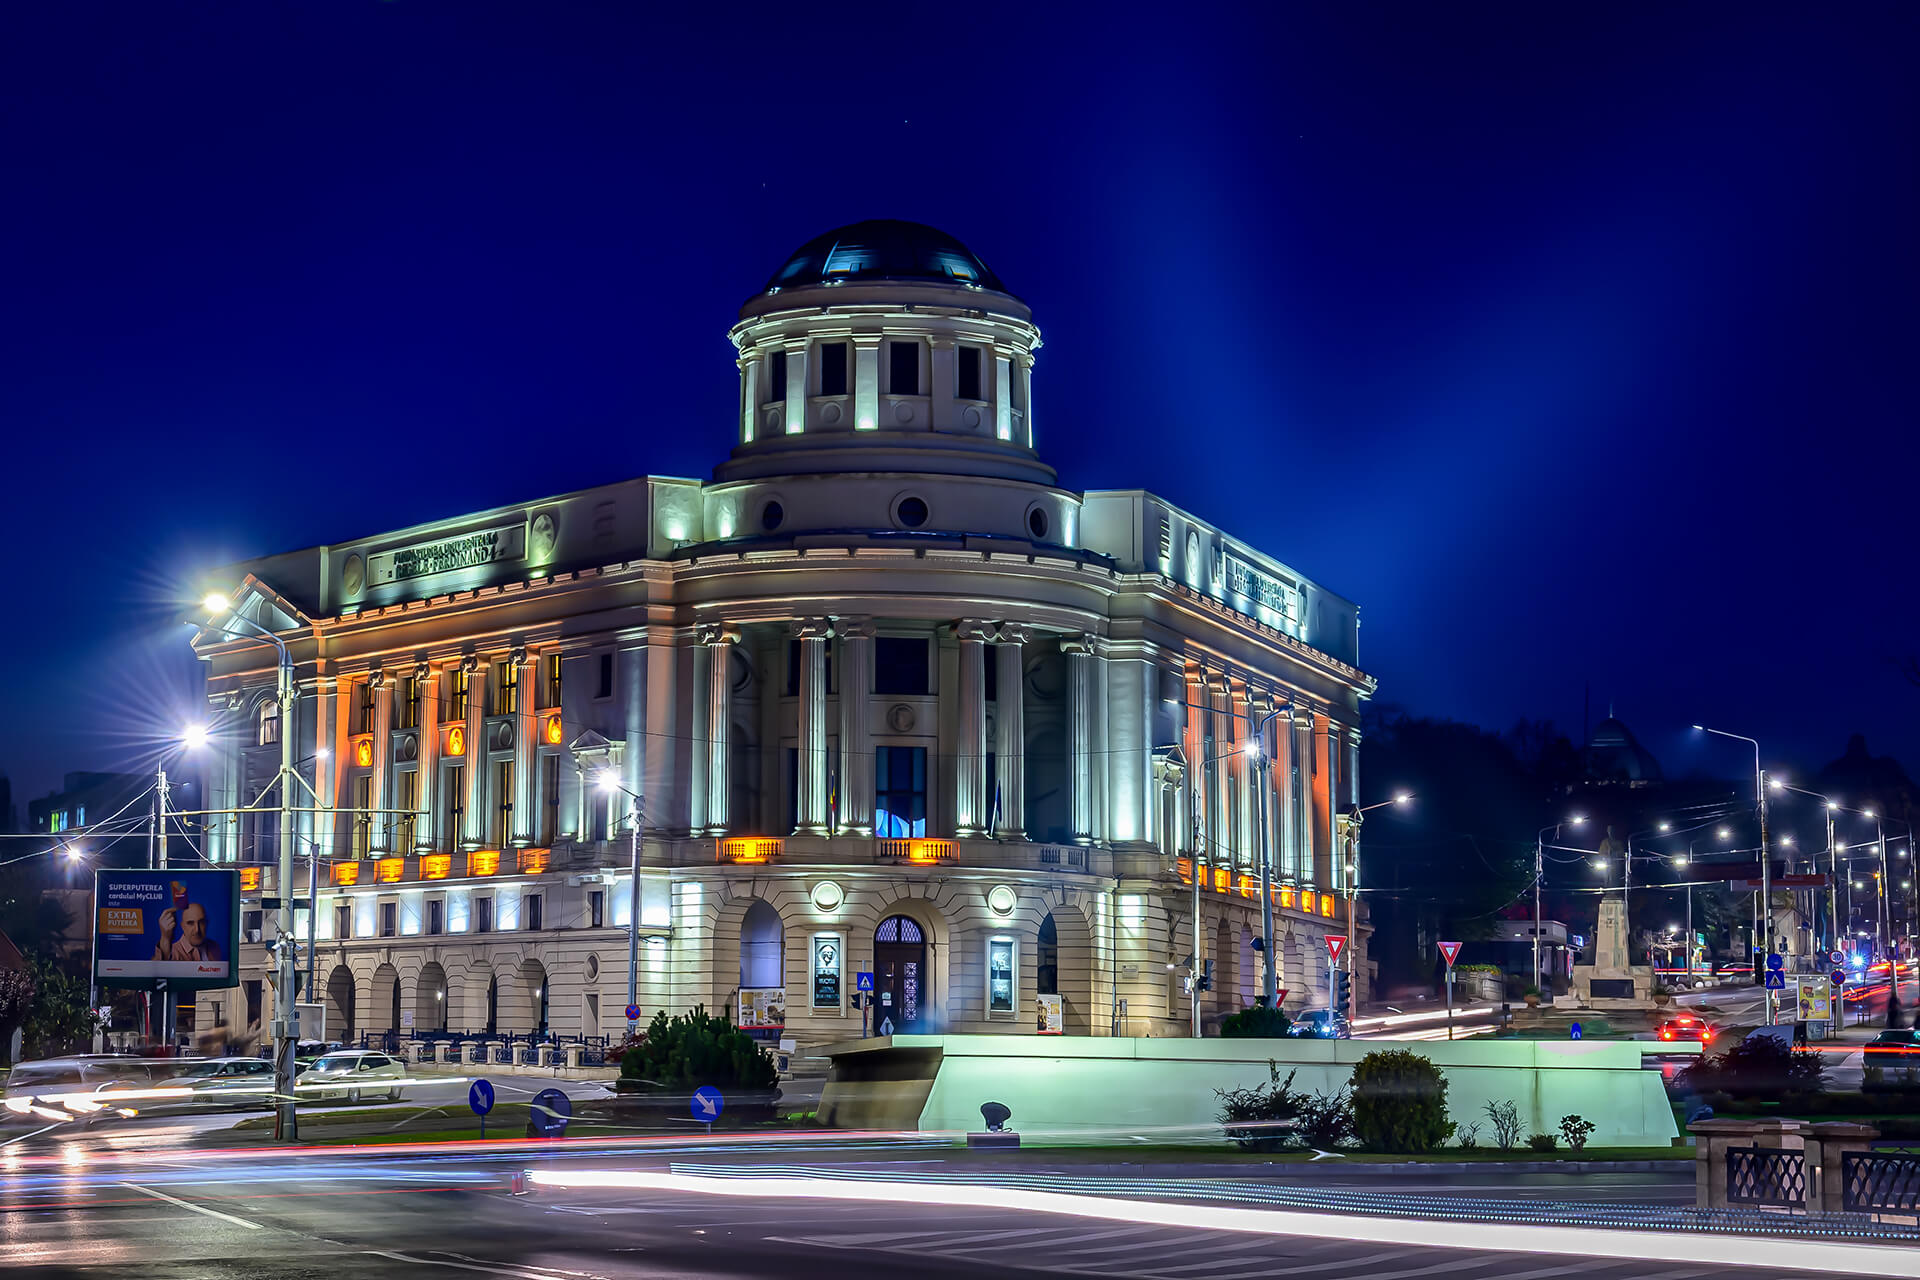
(386, 997)
(1064, 967)
(538, 992)
(340, 1003)
(430, 998)
(493, 1005)
(762, 940)
(1226, 978)
(900, 976)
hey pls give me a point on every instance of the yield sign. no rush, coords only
(1334, 943)
(1451, 951)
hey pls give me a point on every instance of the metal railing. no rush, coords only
(1877, 1182)
(1767, 1176)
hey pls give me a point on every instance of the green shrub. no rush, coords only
(682, 1053)
(1575, 1130)
(1326, 1119)
(1468, 1136)
(1252, 1117)
(1257, 1023)
(1759, 1067)
(1399, 1102)
(1505, 1118)
(1543, 1141)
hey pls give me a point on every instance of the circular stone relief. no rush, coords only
(353, 575)
(970, 416)
(593, 966)
(900, 718)
(546, 532)
(1001, 900)
(827, 895)
(830, 413)
(903, 414)
(772, 420)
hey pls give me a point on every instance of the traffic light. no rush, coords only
(1343, 991)
(1206, 977)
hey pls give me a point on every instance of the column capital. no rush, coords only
(469, 664)
(715, 633)
(377, 678)
(973, 629)
(854, 628)
(867, 341)
(811, 629)
(519, 656)
(1081, 644)
(1013, 633)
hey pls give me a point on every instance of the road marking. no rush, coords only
(506, 1269)
(188, 1204)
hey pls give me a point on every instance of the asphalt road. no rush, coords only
(207, 1216)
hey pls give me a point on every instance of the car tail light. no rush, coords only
(1666, 1035)
(1705, 1036)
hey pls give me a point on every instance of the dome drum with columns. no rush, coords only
(883, 696)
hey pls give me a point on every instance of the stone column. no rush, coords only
(1222, 832)
(1303, 796)
(383, 823)
(1102, 758)
(1193, 744)
(856, 726)
(1080, 739)
(1024, 375)
(812, 780)
(718, 639)
(428, 755)
(970, 754)
(1010, 736)
(1325, 869)
(749, 396)
(333, 729)
(475, 826)
(1002, 395)
(797, 387)
(1285, 867)
(1245, 771)
(526, 732)
(866, 382)
(942, 367)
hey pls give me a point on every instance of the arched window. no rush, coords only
(761, 943)
(269, 723)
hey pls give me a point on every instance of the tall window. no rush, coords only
(550, 680)
(406, 798)
(501, 830)
(532, 913)
(407, 706)
(833, 368)
(362, 806)
(549, 798)
(903, 368)
(604, 689)
(596, 908)
(776, 377)
(269, 734)
(900, 792)
(456, 694)
(483, 915)
(363, 707)
(343, 921)
(454, 807)
(506, 688)
(900, 665)
(436, 916)
(967, 375)
(389, 919)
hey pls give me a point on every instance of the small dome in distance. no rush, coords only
(884, 249)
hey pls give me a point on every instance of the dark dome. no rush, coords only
(1615, 755)
(884, 249)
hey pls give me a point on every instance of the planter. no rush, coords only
(1533, 1000)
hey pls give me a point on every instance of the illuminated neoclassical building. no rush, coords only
(892, 700)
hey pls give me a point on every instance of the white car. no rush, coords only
(352, 1074)
(224, 1082)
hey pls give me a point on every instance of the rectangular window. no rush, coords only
(343, 921)
(407, 708)
(550, 680)
(436, 916)
(250, 924)
(456, 695)
(531, 915)
(483, 915)
(776, 377)
(900, 665)
(900, 792)
(549, 798)
(389, 919)
(605, 687)
(363, 707)
(833, 368)
(362, 806)
(790, 777)
(455, 809)
(596, 908)
(506, 688)
(406, 798)
(967, 375)
(903, 368)
(1000, 975)
(502, 829)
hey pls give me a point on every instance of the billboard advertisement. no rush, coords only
(183, 926)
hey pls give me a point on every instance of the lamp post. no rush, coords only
(1766, 863)
(1354, 817)
(609, 782)
(284, 1031)
(1539, 876)
(1832, 807)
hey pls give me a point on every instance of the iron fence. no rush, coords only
(1879, 1182)
(1767, 1176)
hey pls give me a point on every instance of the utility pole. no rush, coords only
(1261, 778)
(1539, 867)
(1193, 862)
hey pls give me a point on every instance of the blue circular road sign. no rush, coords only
(549, 1113)
(633, 1013)
(1775, 960)
(707, 1103)
(480, 1097)
(1574, 1031)
(1838, 977)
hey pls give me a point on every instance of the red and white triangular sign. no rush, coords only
(1450, 950)
(1334, 943)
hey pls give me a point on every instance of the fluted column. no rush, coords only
(1080, 739)
(797, 387)
(812, 780)
(382, 834)
(718, 640)
(1221, 830)
(970, 753)
(1303, 796)
(866, 382)
(475, 826)
(1286, 866)
(1246, 776)
(749, 365)
(1193, 743)
(525, 741)
(428, 755)
(1010, 735)
(856, 726)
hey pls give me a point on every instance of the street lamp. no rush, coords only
(609, 782)
(1355, 816)
(1539, 875)
(1766, 864)
(284, 1026)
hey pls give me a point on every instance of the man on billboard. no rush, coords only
(193, 943)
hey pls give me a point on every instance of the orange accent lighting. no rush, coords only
(483, 862)
(457, 741)
(346, 873)
(436, 866)
(390, 870)
(925, 851)
(1249, 887)
(1287, 898)
(553, 732)
(363, 752)
(1326, 904)
(534, 861)
(1222, 880)
(1185, 866)
(249, 879)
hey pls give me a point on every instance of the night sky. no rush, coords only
(1576, 343)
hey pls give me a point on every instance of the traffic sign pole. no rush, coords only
(1449, 951)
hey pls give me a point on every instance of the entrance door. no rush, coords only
(901, 990)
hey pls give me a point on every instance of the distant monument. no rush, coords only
(1610, 982)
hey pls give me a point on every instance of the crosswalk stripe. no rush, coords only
(1339, 1264)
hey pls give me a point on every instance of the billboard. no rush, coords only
(183, 926)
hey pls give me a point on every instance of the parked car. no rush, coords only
(1685, 1026)
(1320, 1024)
(353, 1075)
(218, 1082)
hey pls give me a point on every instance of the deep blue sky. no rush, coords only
(1577, 343)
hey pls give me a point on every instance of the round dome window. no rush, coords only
(1037, 523)
(911, 512)
(771, 516)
